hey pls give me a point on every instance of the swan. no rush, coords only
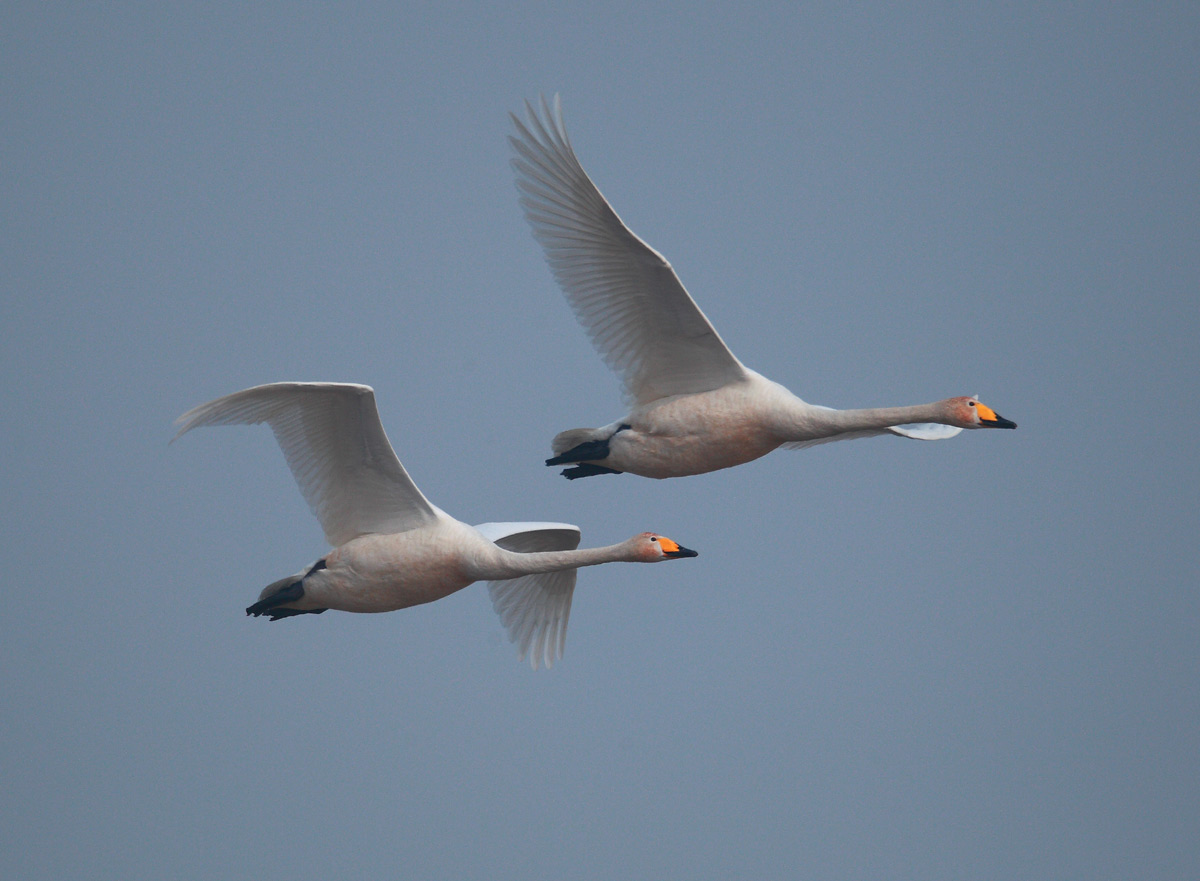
(392, 548)
(695, 406)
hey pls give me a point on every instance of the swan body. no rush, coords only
(392, 548)
(695, 406)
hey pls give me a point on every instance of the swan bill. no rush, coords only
(989, 418)
(674, 550)
(998, 422)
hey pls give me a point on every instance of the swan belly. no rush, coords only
(691, 434)
(382, 573)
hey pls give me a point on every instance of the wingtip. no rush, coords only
(182, 425)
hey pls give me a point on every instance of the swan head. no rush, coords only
(650, 547)
(973, 413)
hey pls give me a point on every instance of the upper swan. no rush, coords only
(696, 407)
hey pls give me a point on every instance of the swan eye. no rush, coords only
(654, 538)
(970, 403)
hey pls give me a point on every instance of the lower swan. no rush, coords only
(392, 548)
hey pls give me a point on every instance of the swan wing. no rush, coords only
(334, 443)
(846, 435)
(534, 609)
(926, 431)
(626, 295)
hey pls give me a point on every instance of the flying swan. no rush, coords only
(695, 406)
(392, 548)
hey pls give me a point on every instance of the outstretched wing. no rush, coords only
(926, 431)
(333, 441)
(626, 295)
(534, 608)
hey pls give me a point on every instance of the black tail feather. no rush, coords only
(289, 594)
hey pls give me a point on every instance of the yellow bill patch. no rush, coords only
(986, 413)
(668, 546)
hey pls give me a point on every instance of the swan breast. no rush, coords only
(382, 573)
(697, 433)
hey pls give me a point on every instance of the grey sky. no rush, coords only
(958, 660)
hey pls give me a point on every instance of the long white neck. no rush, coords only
(799, 421)
(507, 564)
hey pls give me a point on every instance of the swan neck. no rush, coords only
(514, 565)
(807, 422)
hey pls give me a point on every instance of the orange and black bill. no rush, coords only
(989, 418)
(672, 549)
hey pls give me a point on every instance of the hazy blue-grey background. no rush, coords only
(971, 659)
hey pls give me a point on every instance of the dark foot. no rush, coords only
(587, 452)
(276, 614)
(289, 594)
(586, 469)
(597, 449)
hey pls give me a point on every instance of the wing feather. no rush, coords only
(336, 447)
(625, 294)
(926, 431)
(534, 609)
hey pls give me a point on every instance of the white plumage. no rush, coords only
(392, 548)
(695, 406)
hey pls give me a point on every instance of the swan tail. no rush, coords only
(584, 445)
(582, 455)
(278, 594)
(584, 452)
(568, 441)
